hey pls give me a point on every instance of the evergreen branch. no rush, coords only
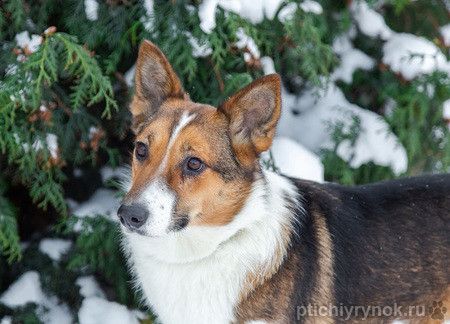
(9, 236)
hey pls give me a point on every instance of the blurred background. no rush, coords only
(366, 97)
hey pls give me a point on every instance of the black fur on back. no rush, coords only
(390, 240)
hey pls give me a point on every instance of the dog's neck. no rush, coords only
(261, 225)
(186, 275)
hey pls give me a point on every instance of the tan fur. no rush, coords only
(323, 290)
(270, 299)
(445, 299)
(155, 81)
(275, 286)
(266, 271)
(207, 198)
(261, 99)
(213, 197)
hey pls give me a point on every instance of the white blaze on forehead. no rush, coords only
(158, 198)
(185, 119)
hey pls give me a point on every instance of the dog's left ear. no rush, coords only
(253, 113)
(155, 81)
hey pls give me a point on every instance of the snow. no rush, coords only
(52, 144)
(89, 287)
(11, 69)
(91, 9)
(149, 7)
(342, 43)
(246, 42)
(389, 106)
(318, 114)
(428, 89)
(269, 7)
(54, 248)
(267, 65)
(148, 19)
(207, 15)
(311, 6)
(350, 62)
(406, 54)
(51, 141)
(96, 310)
(253, 11)
(318, 111)
(287, 12)
(411, 56)
(27, 289)
(446, 112)
(57, 314)
(24, 41)
(369, 22)
(6, 320)
(129, 76)
(109, 173)
(198, 49)
(352, 59)
(71, 203)
(92, 132)
(446, 109)
(445, 33)
(294, 160)
(102, 202)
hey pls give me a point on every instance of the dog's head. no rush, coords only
(193, 164)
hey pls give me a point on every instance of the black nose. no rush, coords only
(132, 216)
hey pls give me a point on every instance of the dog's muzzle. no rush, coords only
(133, 216)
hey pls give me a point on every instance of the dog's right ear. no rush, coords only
(155, 81)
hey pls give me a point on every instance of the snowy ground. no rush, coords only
(95, 308)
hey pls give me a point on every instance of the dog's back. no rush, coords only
(382, 245)
(391, 240)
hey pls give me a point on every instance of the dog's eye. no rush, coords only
(141, 151)
(193, 165)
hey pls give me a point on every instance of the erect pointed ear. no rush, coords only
(253, 113)
(155, 81)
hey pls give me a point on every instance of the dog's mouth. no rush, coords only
(128, 230)
(179, 222)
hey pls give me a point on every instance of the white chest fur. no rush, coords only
(197, 275)
(202, 292)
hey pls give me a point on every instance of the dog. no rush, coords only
(212, 238)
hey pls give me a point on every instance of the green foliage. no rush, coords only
(309, 56)
(25, 127)
(418, 122)
(416, 115)
(338, 170)
(13, 15)
(9, 238)
(408, 16)
(25, 314)
(98, 247)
